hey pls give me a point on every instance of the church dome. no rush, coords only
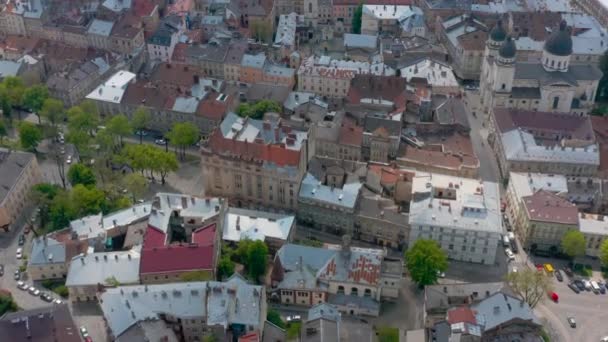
(507, 49)
(498, 33)
(559, 42)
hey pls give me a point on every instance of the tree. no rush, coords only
(424, 260)
(225, 267)
(81, 120)
(604, 253)
(136, 184)
(81, 174)
(261, 31)
(88, 201)
(530, 285)
(42, 196)
(62, 211)
(140, 121)
(603, 84)
(196, 276)
(274, 317)
(5, 105)
(53, 111)
(387, 334)
(255, 262)
(3, 130)
(29, 135)
(119, 127)
(7, 304)
(13, 88)
(34, 97)
(164, 162)
(357, 17)
(81, 141)
(182, 135)
(573, 243)
(257, 110)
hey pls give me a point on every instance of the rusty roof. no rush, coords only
(546, 206)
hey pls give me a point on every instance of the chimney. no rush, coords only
(238, 223)
(82, 259)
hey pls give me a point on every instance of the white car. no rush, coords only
(84, 332)
(33, 291)
(604, 339)
(57, 301)
(69, 160)
(21, 285)
(294, 318)
(19, 253)
(587, 284)
(160, 141)
(509, 254)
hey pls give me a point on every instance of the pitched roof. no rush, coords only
(47, 324)
(12, 165)
(548, 207)
(566, 124)
(95, 268)
(351, 134)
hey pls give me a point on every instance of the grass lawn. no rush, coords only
(57, 286)
(387, 334)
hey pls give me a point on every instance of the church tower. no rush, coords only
(495, 40)
(504, 67)
(558, 48)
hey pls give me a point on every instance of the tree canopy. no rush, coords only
(274, 317)
(182, 135)
(29, 135)
(573, 243)
(357, 18)
(424, 260)
(53, 110)
(136, 184)
(257, 110)
(140, 120)
(252, 254)
(83, 119)
(3, 130)
(34, 97)
(530, 285)
(149, 158)
(604, 253)
(81, 174)
(119, 127)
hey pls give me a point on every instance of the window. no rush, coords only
(310, 7)
(368, 293)
(354, 291)
(503, 86)
(555, 102)
(451, 247)
(340, 289)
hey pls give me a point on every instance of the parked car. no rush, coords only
(21, 241)
(160, 141)
(69, 160)
(602, 287)
(558, 275)
(587, 284)
(554, 296)
(84, 332)
(19, 253)
(574, 288)
(88, 339)
(549, 268)
(440, 274)
(33, 291)
(57, 301)
(46, 297)
(595, 287)
(21, 285)
(579, 284)
(509, 254)
(572, 322)
(1, 270)
(17, 275)
(294, 318)
(568, 271)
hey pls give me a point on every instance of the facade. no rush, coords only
(181, 237)
(595, 229)
(385, 19)
(258, 162)
(108, 95)
(337, 139)
(553, 85)
(20, 171)
(331, 78)
(461, 214)
(546, 142)
(51, 255)
(209, 59)
(380, 221)
(252, 68)
(464, 36)
(193, 309)
(274, 229)
(90, 273)
(353, 279)
(381, 137)
(162, 43)
(98, 34)
(546, 218)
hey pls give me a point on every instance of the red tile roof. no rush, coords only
(274, 153)
(390, 175)
(546, 206)
(212, 109)
(461, 315)
(204, 236)
(179, 53)
(563, 124)
(351, 134)
(143, 8)
(251, 337)
(158, 258)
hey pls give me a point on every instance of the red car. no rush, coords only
(88, 339)
(554, 297)
(539, 267)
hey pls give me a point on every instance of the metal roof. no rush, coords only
(256, 225)
(96, 268)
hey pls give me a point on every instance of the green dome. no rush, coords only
(507, 49)
(498, 33)
(560, 42)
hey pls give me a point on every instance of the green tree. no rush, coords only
(136, 184)
(81, 141)
(573, 243)
(387, 334)
(53, 111)
(61, 212)
(182, 135)
(119, 127)
(225, 267)
(42, 196)
(357, 17)
(7, 304)
(5, 105)
(274, 317)
(34, 97)
(13, 87)
(257, 110)
(88, 201)
(256, 259)
(530, 285)
(81, 174)
(604, 253)
(140, 121)
(164, 162)
(424, 260)
(29, 135)
(196, 276)
(261, 30)
(62, 290)
(602, 91)
(3, 131)
(81, 120)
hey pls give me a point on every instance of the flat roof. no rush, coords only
(96, 268)
(113, 89)
(256, 225)
(100, 27)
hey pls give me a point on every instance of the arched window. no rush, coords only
(503, 86)
(340, 289)
(354, 291)
(555, 102)
(559, 65)
(368, 293)
(552, 63)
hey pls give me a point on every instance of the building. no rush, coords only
(381, 221)
(439, 76)
(51, 254)
(381, 137)
(553, 85)
(108, 95)
(391, 20)
(98, 34)
(547, 142)
(90, 273)
(440, 298)
(595, 8)
(190, 310)
(360, 47)
(209, 59)
(161, 43)
(274, 229)
(376, 95)
(182, 237)
(20, 171)
(336, 137)
(545, 219)
(285, 38)
(329, 194)
(127, 36)
(252, 68)
(322, 324)
(331, 78)
(595, 229)
(48, 324)
(353, 279)
(464, 37)
(497, 317)
(255, 161)
(462, 215)
(72, 86)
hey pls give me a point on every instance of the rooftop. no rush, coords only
(312, 189)
(189, 207)
(256, 225)
(97, 268)
(437, 74)
(324, 66)
(526, 184)
(546, 206)
(100, 27)
(12, 165)
(593, 224)
(113, 89)
(48, 324)
(254, 61)
(9, 68)
(462, 203)
(388, 12)
(364, 41)
(286, 29)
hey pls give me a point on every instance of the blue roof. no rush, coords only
(100, 27)
(500, 308)
(313, 189)
(49, 251)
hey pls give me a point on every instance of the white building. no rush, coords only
(108, 95)
(438, 75)
(331, 77)
(552, 85)
(461, 214)
(285, 37)
(595, 229)
(378, 19)
(274, 229)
